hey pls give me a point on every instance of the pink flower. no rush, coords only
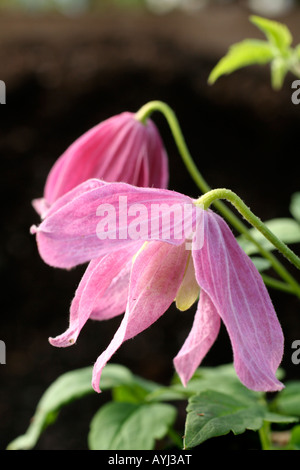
(216, 271)
(118, 149)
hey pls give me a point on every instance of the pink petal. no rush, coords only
(117, 149)
(235, 287)
(114, 300)
(203, 334)
(155, 278)
(96, 280)
(155, 169)
(45, 210)
(70, 235)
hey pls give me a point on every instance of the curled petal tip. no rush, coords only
(33, 229)
(95, 384)
(62, 341)
(277, 386)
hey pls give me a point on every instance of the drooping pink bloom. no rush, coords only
(120, 148)
(216, 271)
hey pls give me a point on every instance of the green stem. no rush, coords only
(143, 114)
(207, 199)
(264, 435)
(275, 284)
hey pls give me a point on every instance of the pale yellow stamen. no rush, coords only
(189, 289)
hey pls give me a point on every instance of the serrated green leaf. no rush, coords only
(130, 426)
(242, 54)
(295, 206)
(212, 414)
(67, 388)
(277, 33)
(286, 229)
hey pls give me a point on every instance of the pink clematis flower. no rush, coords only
(120, 148)
(216, 273)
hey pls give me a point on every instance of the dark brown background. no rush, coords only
(64, 75)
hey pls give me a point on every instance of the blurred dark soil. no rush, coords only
(64, 75)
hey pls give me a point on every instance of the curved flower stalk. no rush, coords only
(165, 265)
(121, 148)
(289, 283)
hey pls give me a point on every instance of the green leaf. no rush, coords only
(67, 388)
(170, 393)
(279, 418)
(277, 33)
(288, 400)
(242, 54)
(136, 391)
(286, 229)
(295, 206)
(297, 51)
(221, 379)
(130, 426)
(212, 414)
(279, 69)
